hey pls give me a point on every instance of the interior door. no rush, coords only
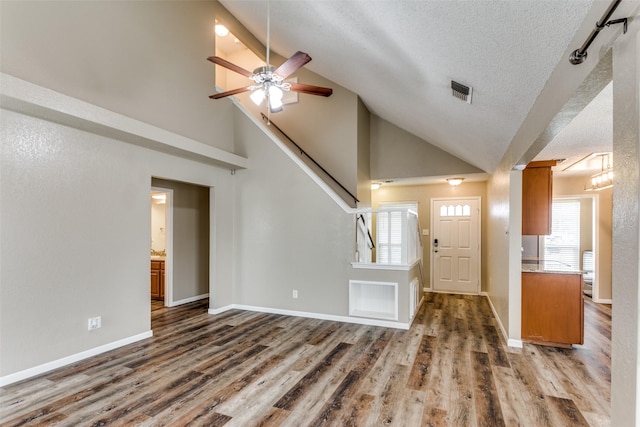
(455, 245)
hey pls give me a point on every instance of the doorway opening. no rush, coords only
(186, 236)
(161, 283)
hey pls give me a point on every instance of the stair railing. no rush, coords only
(304, 153)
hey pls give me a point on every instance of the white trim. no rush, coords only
(190, 299)
(454, 293)
(602, 300)
(376, 266)
(38, 101)
(50, 366)
(515, 343)
(510, 341)
(309, 315)
(353, 311)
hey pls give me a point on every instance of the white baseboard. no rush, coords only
(510, 341)
(417, 310)
(344, 319)
(188, 300)
(602, 300)
(50, 366)
(514, 343)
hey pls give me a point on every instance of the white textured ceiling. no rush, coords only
(400, 56)
(589, 132)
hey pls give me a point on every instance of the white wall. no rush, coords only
(625, 345)
(75, 226)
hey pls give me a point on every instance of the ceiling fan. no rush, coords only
(268, 80)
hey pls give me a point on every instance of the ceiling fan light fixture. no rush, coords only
(275, 104)
(257, 96)
(275, 94)
(269, 81)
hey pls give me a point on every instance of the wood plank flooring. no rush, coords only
(452, 368)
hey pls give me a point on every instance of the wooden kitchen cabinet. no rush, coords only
(157, 280)
(552, 309)
(537, 186)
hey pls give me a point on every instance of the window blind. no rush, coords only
(389, 230)
(563, 244)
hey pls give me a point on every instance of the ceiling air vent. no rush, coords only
(461, 91)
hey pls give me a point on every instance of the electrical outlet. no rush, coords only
(295, 294)
(94, 323)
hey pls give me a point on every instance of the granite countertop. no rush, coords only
(157, 258)
(536, 265)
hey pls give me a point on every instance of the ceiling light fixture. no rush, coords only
(221, 30)
(159, 198)
(269, 81)
(455, 181)
(268, 84)
(603, 179)
(375, 185)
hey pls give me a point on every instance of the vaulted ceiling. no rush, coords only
(400, 57)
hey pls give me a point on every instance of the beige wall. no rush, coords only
(143, 59)
(75, 226)
(395, 153)
(423, 195)
(364, 155)
(326, 128)
(575, 187)
(74, 205)
(289, 234)
(190, 238)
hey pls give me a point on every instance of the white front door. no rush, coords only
(455, 245)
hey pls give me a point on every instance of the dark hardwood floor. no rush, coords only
(243, 369)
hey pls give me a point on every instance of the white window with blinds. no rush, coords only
(563, 244)
(390, 232)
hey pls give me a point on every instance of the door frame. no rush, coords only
(432, 254)
(168, 261)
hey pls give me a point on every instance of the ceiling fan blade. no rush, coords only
(230, 92)
(226, 64)
(292, 64)
(311, 90)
